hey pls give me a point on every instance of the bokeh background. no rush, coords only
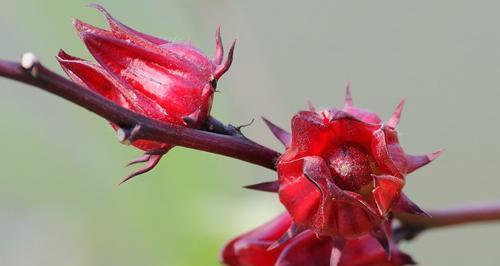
(59, 200)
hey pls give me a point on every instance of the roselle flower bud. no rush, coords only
(252, 249)
(343, 172)
(167, 81)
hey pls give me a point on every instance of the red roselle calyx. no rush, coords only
(253, 249)
(343, 172)
(167, 81)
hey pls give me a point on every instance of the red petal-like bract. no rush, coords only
(252, 249)
(343, 170)
(167, 81)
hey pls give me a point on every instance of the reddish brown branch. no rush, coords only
(236, 146)
(412, 225)
(225, 141)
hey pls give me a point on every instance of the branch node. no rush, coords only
(28, 62)
(222, 139)
(127, 135)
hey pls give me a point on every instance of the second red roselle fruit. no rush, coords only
(167, 81)
(252, 249)
(343, 172)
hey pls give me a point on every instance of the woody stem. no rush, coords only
(222, 140)
(412, 225)
(31, 72)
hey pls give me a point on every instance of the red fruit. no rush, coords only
(343, 170)
(252, 249)
(167, 81)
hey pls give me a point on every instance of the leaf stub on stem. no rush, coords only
(28, 60)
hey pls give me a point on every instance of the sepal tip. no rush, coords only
(272, 186)
(348, 95)
(282, 135)
(393, 121)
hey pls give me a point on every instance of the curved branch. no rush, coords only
(30, 71)
(412, 225)
(223, 140)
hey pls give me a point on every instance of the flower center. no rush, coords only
(351, 167)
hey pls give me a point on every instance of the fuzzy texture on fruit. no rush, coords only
(343, 170)
(252, 249)
(167, 81)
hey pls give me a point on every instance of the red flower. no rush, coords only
(343, 171)
(163, 80)
(252, 249)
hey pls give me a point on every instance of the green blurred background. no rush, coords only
(60, 165)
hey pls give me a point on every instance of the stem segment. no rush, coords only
(33, 73)
(412, 225)
(223, 140)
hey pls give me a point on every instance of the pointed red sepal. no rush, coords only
(310, 106)
(360, 114)
(386, 191)
(183, 57)
(97, 79)
(383, 239)
(93, 77)
(404, 204)
(282, 135)
(117, 54)
(337, 248)
(348, 95)
(124, 31)
(82, 28)
(396, 115)
(380, 152)
(63, 56)
(223, 68)
(219, 48)
(417, 161)
(272, 186)
(293, 231)
(144, 158)
(336, 114)
(151, 161)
